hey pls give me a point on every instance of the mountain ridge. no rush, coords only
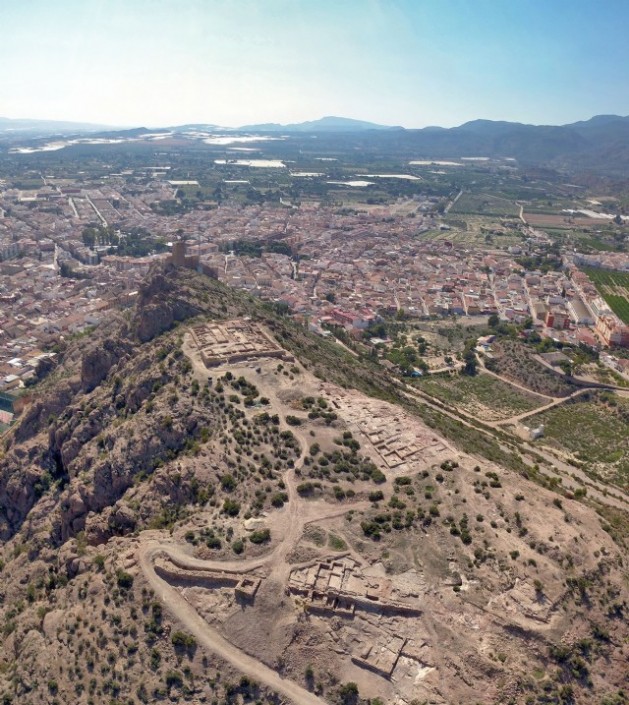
(597, 145)
(329, 123)
(140, 482)
(326, 123)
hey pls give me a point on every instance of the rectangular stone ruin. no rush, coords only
(235, 341)
(340, 586)
(381, 657)
(247, 587)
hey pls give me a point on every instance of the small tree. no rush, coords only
(471, 363)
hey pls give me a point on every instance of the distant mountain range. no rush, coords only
(488, 128)
(600, 144)
(325, 124)
(53, 127)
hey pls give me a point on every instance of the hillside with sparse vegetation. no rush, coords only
(157, 517)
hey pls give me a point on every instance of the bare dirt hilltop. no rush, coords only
(205, 503)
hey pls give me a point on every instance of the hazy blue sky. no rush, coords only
(231, 62)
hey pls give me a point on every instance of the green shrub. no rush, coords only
(181, 640)
(371, 529)
(213, 542)
(278, 499)
(260, 536)
(348, 693)
(228, 482)
(231, 507)
(306, 489)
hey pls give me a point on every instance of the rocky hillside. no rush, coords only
(138, 481)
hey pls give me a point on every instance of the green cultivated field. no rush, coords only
(614, 288)
(595, 429)
(488, 398)
(485, 204)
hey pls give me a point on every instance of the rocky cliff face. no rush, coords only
(102, 380)
(161, 305)
(111, 443)
(97, 362)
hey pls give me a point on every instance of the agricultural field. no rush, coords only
(614, 288)
(515, 361)
(478, 231)
(606, 239)
(595, 429)
(484, 396)
(485, 204)
(556, 220)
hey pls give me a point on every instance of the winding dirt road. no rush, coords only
(299, 514)
(289, 524)
(208, 638)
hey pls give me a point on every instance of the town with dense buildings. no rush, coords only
(312, 419)
(314, 352)
(336, 267)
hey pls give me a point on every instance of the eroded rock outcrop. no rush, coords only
(97, 362)
(160, 305)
